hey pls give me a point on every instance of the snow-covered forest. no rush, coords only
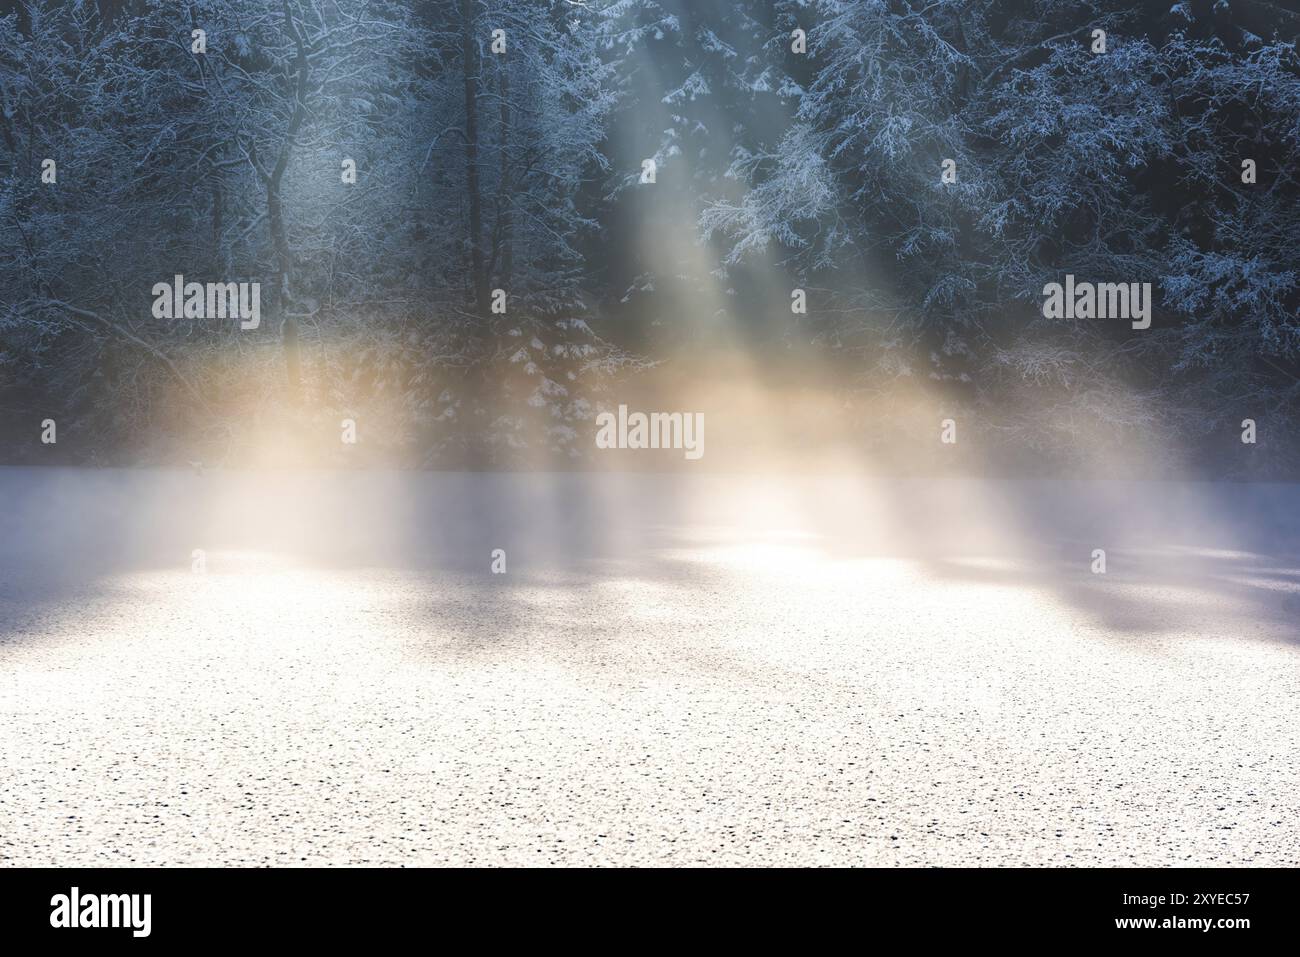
(476, 223)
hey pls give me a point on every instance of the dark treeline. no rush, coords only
(796, 145)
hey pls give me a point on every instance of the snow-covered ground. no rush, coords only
(672, 670)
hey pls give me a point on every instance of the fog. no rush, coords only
(655, 669)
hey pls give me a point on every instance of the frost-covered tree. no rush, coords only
(375, 166)
(1120, 162)
(445, 206)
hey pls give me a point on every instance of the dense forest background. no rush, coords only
(775, 168)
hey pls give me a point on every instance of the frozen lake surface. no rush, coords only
(672, 670)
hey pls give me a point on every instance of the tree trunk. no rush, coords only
(288, 324)
(275, 211)
(469, 51)
(503, 203)
(218, 252)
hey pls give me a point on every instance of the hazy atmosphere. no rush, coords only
(471, 243)
(655, 432)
